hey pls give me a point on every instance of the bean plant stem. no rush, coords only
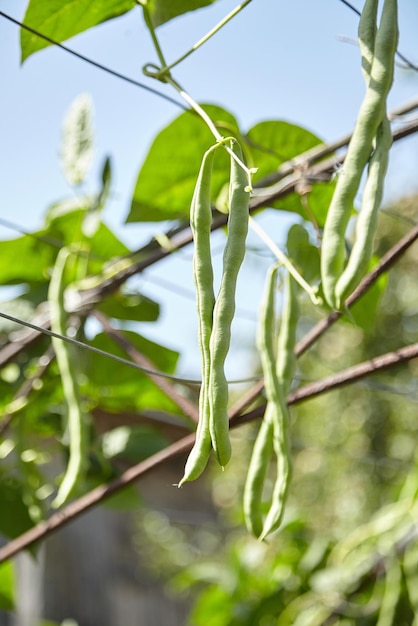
(282, 258)
(208, 35)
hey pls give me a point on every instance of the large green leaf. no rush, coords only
(61, 20)
(164, 10)
(165, 183)
(66, 223)
(275, 142)
(29, 258)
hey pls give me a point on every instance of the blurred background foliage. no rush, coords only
(348, 551)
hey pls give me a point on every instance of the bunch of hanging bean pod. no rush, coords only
(370, 143)
(278, 368)
(215, 314)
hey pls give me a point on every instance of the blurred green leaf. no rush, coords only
(214, 606)
(113, 386)
(303, 253)
(128, 499)
(20, 308)
(134, 443)
(166, 180)
(28, 260)
(14, 518)
(130, 306)
(7, 586)
(363, 312)
(62, 20)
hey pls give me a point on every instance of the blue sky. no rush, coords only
(276, 60)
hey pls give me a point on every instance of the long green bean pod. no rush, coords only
(371, 114)
(274, 431)
(285, 368)
(367, 220)
(256, 476)
(224, 310)
(286, 359)
(76, 416)
(200, 224)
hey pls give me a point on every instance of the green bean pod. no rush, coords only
(256, 476)
(263, 447)
(371, 114)
(361, 252)
(274, 431)
(286, 359)
(224, 309)
(284, 368)
(200, 224)
(66, 360)
(367, 30)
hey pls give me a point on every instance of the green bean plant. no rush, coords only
(302, 542)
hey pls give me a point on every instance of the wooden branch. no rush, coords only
(93, 498)
(385, 263)
(101, 493)
(300, 169)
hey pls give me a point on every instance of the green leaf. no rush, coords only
(303, 253)
(130, 306)
(127, 499)
(7, 586)
(364, 311)
(20, 308)
(133, 443)
(106, 174)
(166, 180)
(77, 140)
(28, 259)
(164, 10)
(113, 384)
(313, 206)
(14, 518)
(65, 222)
(61, 20)
(273, 143)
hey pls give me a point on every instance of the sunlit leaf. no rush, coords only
(274, 143)
(166, 180)
(164, 10)
(62, 20)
